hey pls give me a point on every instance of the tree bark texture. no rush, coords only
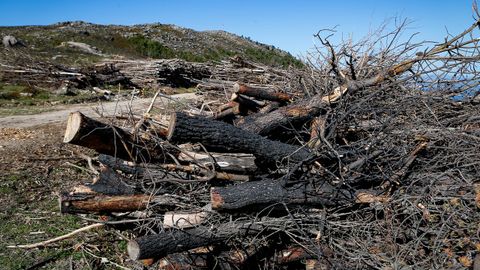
(216, 135)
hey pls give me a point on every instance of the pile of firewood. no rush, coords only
(368, 170)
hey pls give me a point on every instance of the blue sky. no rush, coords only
(289, 25)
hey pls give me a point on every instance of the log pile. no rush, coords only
(368, 170)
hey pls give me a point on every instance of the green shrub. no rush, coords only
(271, 57)
(151, 48)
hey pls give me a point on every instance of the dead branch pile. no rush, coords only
(376, 166)
(17, 67)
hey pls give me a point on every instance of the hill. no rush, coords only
(80, 43)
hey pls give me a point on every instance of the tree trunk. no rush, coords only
(271, 191)
(216, 135)
(173, 241)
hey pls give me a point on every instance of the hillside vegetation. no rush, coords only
(158, 41)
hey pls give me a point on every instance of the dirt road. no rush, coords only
(106, 108)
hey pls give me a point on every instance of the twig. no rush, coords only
(59, 238)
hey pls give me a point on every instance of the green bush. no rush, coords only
(151, 48)
(271, 57)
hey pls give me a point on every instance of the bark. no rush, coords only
(118, 164)
(239, 163)
(216, 135)
(269, 192)
(307, 109)
(228, 111)
(93, 203)
(107, 139)
(317, 131)
(111, 183)
(279, 120)
(152, 170)
(261, 93)
(173, 241)
(98, 203)
(248, 103)
(187, 261)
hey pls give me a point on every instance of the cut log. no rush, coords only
(266, 124)
(228, 111)
(271, 191)
(227, 162)
(150, 171)
(107, 139)
(247, 102)
(216, 135)
(173, 241)
(98, 203)
(88, 203)
(183, 220)
(260, 93)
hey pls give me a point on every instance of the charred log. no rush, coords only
(216, 135)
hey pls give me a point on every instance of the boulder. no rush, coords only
(10, 41)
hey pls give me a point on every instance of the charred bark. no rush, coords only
(173, 241)
(268, 192)
(216, 135)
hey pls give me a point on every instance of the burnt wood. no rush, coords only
(222, 137)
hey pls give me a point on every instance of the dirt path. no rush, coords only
(107, 108)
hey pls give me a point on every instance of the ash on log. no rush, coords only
(216, 135)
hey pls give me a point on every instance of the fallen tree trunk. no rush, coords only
(216, 135)
(173, 241)
(272, 191)
(107, 139)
